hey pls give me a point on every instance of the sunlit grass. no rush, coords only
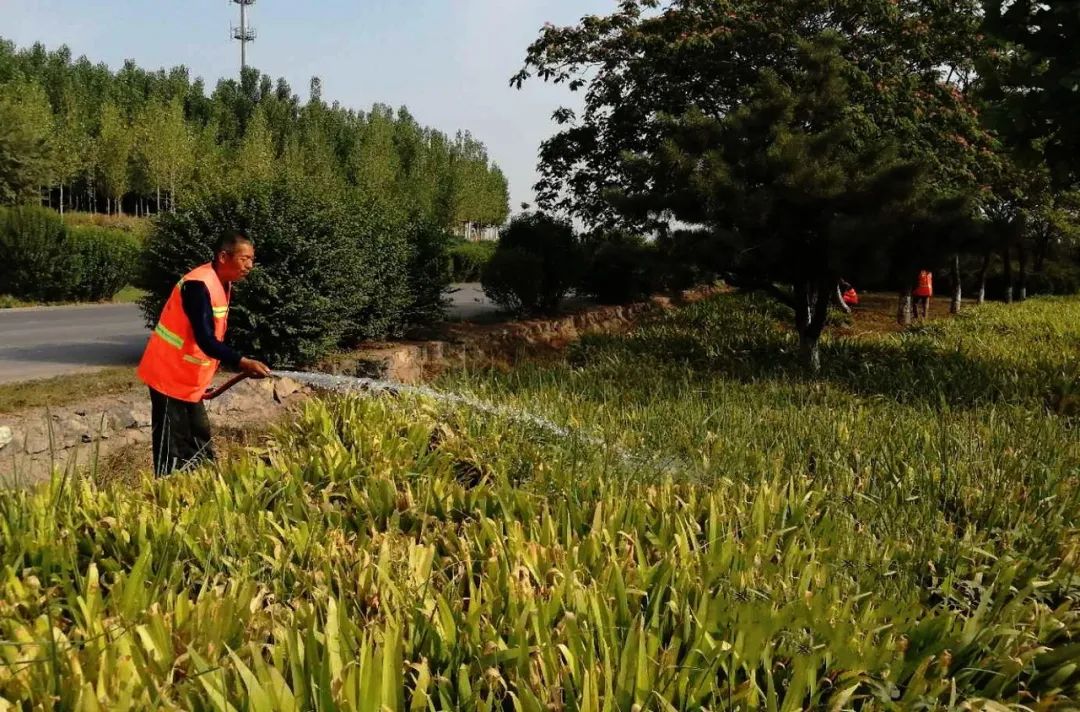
(900, 534)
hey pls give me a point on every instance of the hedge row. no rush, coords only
(45, 260)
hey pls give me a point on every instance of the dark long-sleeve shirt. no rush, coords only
(196, 300)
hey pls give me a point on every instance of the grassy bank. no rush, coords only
(898, 534)
(63, 390)
(127, 295)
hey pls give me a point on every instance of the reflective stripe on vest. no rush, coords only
(173, 363)
(170, 337)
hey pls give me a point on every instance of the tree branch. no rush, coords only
(760, 285)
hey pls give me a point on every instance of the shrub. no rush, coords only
(513, 279)
(620, 268)
(103, 262)
(467, 260)
(46, 260)
(34, 260)
(429, 273)
(537, 262)
(331, 268)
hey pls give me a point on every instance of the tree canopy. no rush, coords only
(807, 138)
(1031, 76)
(139, 139)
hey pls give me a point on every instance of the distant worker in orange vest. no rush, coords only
(184, 352)
(923, 293)
(848, 293)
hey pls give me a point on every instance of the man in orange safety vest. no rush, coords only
(848, 294)
(185, 350)
(923, 293)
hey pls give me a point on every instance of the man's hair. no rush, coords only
(229, 241)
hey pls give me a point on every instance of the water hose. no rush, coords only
(212, 393)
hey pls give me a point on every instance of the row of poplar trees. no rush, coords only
(76, 135)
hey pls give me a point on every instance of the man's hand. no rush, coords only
(253, 368)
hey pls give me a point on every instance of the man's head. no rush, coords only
(234, 256)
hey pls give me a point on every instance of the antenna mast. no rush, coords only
(243, 33)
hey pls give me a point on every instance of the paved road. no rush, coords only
(52, 341)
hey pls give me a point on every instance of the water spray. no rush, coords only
(375, 387)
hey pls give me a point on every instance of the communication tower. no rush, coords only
(243, 33)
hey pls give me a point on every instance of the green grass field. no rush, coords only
(127, 295)
(900, 533)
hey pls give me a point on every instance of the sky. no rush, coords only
(448, 61)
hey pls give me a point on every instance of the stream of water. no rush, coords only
(372, 386)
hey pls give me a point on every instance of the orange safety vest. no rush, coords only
(173, 363)
(926, 284)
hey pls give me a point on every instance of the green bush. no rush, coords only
(330, 269)
(429, 272)
(467, 260)
(45, 260)
(104, 261)
(513, 279)
(537, 262)
(34, 261)
(620, 268)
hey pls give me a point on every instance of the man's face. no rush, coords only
(234, 266)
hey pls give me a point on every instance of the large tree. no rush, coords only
(166, 148)
(1032, 77)
(114, 144)
(26, 151)
(802, 136)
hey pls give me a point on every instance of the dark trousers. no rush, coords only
(922, 307)
(181, 434)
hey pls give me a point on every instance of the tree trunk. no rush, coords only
(811, 311)
(840, 300)
(157, 203)
(982, 277)
(903, 308)
(810, 348)
(1021, 254)
(1042, 247)
(957, 287)
(1008, 274)
(61, 198)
